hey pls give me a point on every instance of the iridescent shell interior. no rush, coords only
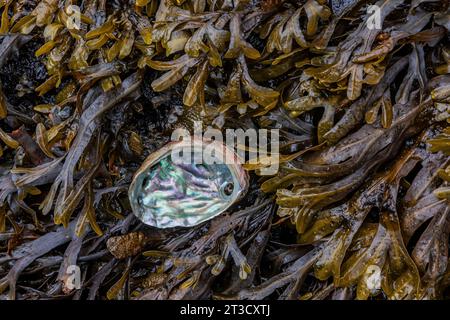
(166, 193)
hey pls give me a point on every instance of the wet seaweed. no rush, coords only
(359, 208)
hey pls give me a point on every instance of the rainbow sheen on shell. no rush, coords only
(165, 193)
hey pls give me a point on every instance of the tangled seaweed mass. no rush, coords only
(359, 208)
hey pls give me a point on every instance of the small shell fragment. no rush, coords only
(168, 191)
(154, 280)
(126, 245)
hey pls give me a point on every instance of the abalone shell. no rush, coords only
(166, 193)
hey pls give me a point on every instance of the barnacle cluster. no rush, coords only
(360, 204)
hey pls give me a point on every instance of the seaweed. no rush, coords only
(359, 208)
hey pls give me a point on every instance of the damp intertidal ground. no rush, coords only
(360, 92)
